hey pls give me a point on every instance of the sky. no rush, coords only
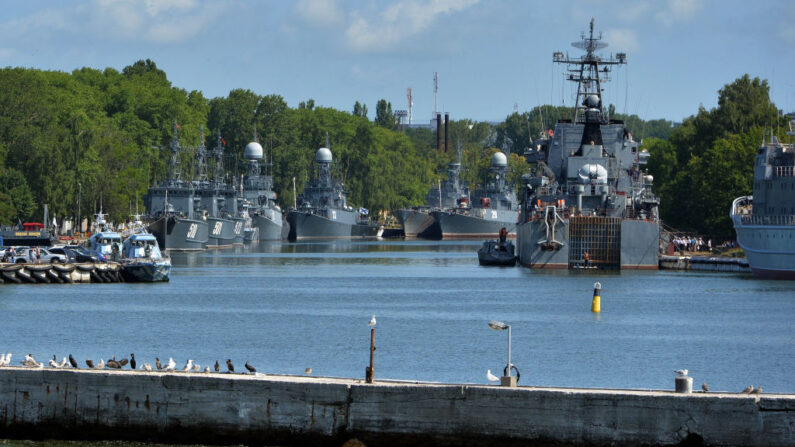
(491, 56)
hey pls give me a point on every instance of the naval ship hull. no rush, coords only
(418, 223)
(478, 223)
(221, 232)
(269, 225)
(768, 243)
(180, 234)
(611, 243)
(304, 225)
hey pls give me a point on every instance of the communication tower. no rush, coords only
(411, 103)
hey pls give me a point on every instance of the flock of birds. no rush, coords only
(170, 366)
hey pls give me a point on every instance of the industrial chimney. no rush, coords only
(439, 132)
(446, 132)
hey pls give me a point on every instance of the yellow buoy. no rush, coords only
(596, 304)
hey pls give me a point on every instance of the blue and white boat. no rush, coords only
(142, 260)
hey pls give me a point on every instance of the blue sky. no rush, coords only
(490, 54)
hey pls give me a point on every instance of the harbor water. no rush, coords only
(285, 307)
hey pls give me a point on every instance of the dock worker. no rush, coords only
(503, 235)
(587, 259)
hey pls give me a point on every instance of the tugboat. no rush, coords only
(322, 210)
(765, 221)
(170, 207)
(588, 204)
(265, 214)
(142, 261)
(451, 193)
(494, 207)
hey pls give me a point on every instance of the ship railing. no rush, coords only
(784, 171)
(768, 220)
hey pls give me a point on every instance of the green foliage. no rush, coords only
(360, 110)
(384, 116)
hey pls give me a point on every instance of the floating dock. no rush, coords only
(704, 263)
(60, 273)
(262, 409)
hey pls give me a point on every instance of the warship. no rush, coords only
(217, 200)
(322, 210)
(587, 204)
(265, 214)
(171, 217)
(765, 221)
(451, 193)
(493, 207)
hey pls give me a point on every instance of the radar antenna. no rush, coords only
(175, 147)
(588, 71)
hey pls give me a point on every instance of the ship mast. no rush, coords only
(201, 159)
(173, 164)
(586, 71)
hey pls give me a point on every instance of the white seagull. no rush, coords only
(147, 367)
(171, 366)
(681, 372)
(64, 363)
(197, 367)
(372, 321)
(188, 366)
(5, 361)
(491, 377)
(207, 369)
(101, 364)
(30, 362)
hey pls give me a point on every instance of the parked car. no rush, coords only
(75, 253)
(28, 256)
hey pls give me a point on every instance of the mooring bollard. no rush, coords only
(596, 304)
(684, 385)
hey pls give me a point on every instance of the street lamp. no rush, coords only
(508, 380)
(368, 375)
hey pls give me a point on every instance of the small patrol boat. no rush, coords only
(497, 253)
(142, 260)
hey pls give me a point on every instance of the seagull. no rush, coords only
(207, 369)
(308, 371)
(748, 389)
(30, 362)
(132, 361)
(217, 366)
(197, 367)
(147, 367)
(5, 361)
(250, 368)
(171, 366)
(101, 364)
(704, 387)
(64, 363)
(372, 321)
(53, 363)
(491, 377)
(157, 363)
(230, 365)
(188, 366)
(757, 391)
(73, 362)
(90, 363)
(681, 372)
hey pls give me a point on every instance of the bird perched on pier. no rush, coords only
(230, 366)
(704, 387)
(748, 390)
(491, 377)
(217, 366)
(73, 362)
(123, 362)
(196, 367)
(372, 321)
(757, 391)
(250, 368)
(188, 366)
(206, 369)
(53, 363)
(90, 363)
(681, 372)
(30, 362)
(101, 364)
(113, 363)
(132, 361)
(171, 365)
(308, 371)
(5, 360)
(157, 364)
(147, 367)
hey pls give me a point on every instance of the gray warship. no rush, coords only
(493, 207)
(265, 214)
(765, 221)
(171, 216)
(451, 193)
(322, 210)
(217, 200)
(588, 204)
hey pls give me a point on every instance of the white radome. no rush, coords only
(253, 151)
(499, 159)
(323, 155)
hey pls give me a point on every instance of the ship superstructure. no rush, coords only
(588, 204)
(260, 199)
(765, 221)
(216, 199)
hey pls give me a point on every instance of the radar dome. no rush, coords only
(592, 102)
(323, 155)
(499, 159)
(253, 151)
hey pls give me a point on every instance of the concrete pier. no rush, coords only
(704, 263)
(293, 410)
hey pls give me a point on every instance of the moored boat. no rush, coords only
(496, 253)
(142, 260)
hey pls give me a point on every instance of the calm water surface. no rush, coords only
(286, 307)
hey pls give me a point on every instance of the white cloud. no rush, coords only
(622, 39)
(320, 12)
(678, 11)
(400, 21)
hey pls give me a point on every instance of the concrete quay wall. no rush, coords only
(224, 408)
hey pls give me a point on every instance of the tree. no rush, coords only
(360, 110)
(384, 116)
